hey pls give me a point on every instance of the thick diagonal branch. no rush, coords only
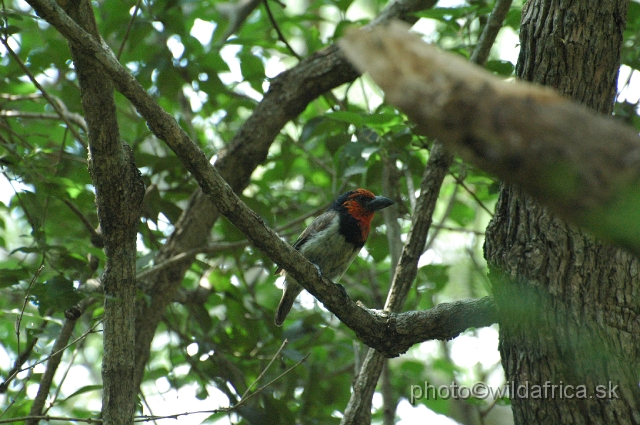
(391, 334)
(289, 94)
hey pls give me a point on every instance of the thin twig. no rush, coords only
(69, 365)
(50, 418)
(22, 358)
(25, 210)
(144, 400)
(211, 249)
(447, 212)
(277, 28)
(145, 418)
(73, 117)
(95, 236)
(17, 97)
(313, 158)
(302, 218)
(259, 390)
(18, 396)
(26, 300)
(84, 335)
(411, 190)
(458, 229)
(284, 343)
(126, 34)
(473, 195)
(46, 95)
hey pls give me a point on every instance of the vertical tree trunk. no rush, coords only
(570, 324)
(119, 192)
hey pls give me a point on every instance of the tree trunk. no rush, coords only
(119, 192)
(569, 326)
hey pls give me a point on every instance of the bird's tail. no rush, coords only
(289, 295)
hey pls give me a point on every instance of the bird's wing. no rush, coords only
(321, 222)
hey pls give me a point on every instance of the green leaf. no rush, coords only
(367, 135)
(349, 117)
(462, 213)
(12, 29)
(436, 274)
(157, 373)
(500, 67)
(201, 392)
(633, 16)
(252, 69)
(515, 14)
(11, 275)
(382, 119)
(321, 126)
(412, 368)
(57, 293)
(378, 247)
(33, 333)
(333, 143)
(83, 390)
(355, 170)
(72, 187)
(343, 5)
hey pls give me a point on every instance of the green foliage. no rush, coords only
(56, 294)
(215, 348)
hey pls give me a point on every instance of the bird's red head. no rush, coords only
(360, 205)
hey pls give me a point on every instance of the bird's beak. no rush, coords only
(378, 203)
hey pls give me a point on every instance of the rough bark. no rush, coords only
(570, 303)
(119, 191)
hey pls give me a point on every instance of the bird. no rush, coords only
(333, 240)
